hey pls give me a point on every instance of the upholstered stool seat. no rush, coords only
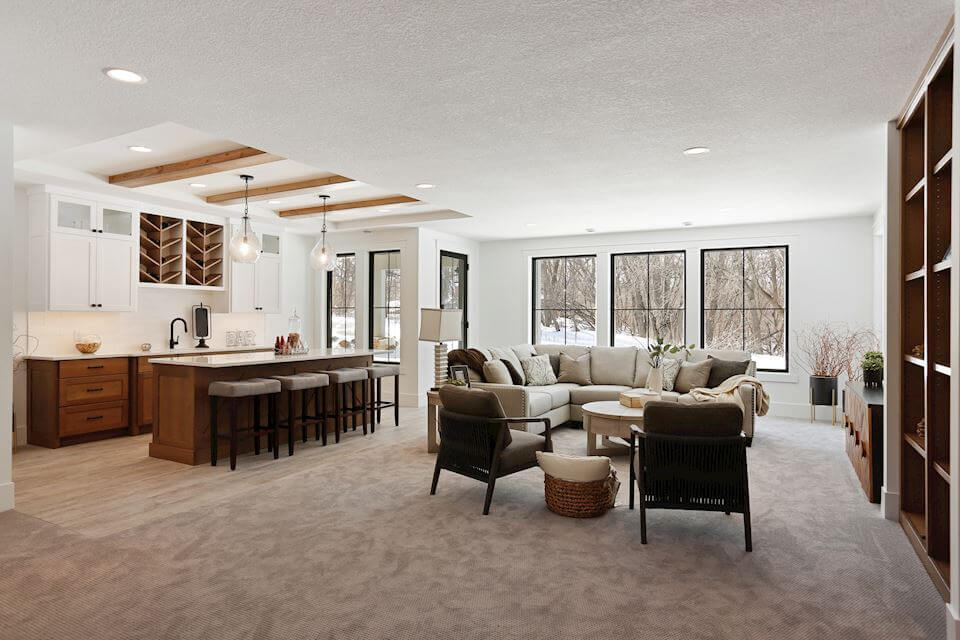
(301, 381)
(341, 376)
(232, 391)
(376, 374)
(243, 388)
(304, 382)
(345, 381)
(383, 370)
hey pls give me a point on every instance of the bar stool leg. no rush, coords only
(322, 407)
(256, 425)
(337, 410)
(304, 399)
(396, 401)
(373, 423)
(353, 404)
(291, 423)
(379, 397)
(363, 405)
(213, 431)
(233, 434)
(274, 422)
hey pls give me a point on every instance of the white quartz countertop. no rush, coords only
(252, 359)
(165, 352)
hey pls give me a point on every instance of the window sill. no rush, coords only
(774, 376)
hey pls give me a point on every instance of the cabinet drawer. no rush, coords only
(93, 389)
(96, 367)
(91, 418)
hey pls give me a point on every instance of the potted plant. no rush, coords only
(826, 350)
(872, 365)
(658, 351)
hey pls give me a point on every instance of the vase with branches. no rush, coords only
(660, 349)
(827, 350)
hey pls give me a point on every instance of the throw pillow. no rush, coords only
(670, 367)
(538, 371)
(692, 375)
(516, 375)
(496, 372)
(500, 353)
(720, 370)
(575, 370)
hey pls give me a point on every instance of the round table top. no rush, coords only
(612, 409)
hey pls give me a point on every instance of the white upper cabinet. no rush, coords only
(243, 284)
(73, 272)
(69, 215)
(256, 287)
(117, 222)
(268, 284)
(116, 275)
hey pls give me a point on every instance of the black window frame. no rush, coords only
(330, 300)
(533, 290)
(613, 308)
(370, 307)
(465, 324)
(743, 308)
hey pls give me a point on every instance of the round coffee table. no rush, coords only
(608, 418)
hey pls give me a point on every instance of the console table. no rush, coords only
(863, 439)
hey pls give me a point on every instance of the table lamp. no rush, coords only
(439, 325)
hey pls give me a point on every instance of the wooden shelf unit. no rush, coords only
(926, 173)
(161, 249)
(204, 254)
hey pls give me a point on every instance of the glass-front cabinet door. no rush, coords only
(270, 244)
(73, 216)
(117, 221)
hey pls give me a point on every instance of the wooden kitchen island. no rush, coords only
(181, 406)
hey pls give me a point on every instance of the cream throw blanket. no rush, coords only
(728, 392)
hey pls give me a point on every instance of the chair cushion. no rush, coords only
(383, 370)
(559, 393)
(471, 402)
(721, 369)
(522, 451)
(506, 353)
(538, 403)
(495, 372)
(339, 376)
(613, 365)
(300, 381)
(243, 388)
(692, 375)
(701, 419)
(574, 468)
(538, 371)
(575, 369)
(596, 393)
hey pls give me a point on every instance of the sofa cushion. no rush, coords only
(574, 468)
(692, 375)
(538, 403)
(596, 393)
(522, 451)
(642, 368)
(523, 351)
(700, 419)
(723, 369)
(506, 353)
(553, 352)
(574, 350)
(574, 369)
(538, 371)
(496, 372)
(559, 393)
(613, 365)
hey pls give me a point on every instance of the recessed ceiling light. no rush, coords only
(197, 185)
(140, 149)
(531, 224)
(589, 229)
(696, 151)
(686, 223)
(124, 75)
(425, 185)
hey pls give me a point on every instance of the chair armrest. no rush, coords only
(546, 427)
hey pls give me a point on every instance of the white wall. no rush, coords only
(830, 278)
(7, 243)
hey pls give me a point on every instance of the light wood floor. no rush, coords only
(100, 488)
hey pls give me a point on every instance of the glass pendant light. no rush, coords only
(244, 245)
(323, 257)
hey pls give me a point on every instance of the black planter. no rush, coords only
(823, 391)
(873, 377)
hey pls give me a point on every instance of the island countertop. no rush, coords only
(221, 361)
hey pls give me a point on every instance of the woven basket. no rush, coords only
(576, 499)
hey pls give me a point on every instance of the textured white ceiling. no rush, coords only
(560, 114)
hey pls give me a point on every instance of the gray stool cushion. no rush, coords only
(383, 370)
(243, 388)
(300, 381)
(339, 376)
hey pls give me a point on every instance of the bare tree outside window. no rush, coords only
(745, 303)
(385, 305)
(565, 300)
(342, 303)
(648, 298)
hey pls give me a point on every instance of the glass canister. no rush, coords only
(295, 334)
(86, 341)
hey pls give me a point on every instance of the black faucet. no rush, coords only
(173, 342)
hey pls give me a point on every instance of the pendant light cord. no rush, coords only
(323, 227)
(246, 206)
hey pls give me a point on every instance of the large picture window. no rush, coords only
(647, 297)
(385, 305)
(565, 300)
(745, 303)
(342, 303)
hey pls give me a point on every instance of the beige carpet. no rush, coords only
(353, 546)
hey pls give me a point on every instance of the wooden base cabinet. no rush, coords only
(863, 411)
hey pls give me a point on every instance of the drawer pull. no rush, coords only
(95, 389)
(94, 417)
(94, 366)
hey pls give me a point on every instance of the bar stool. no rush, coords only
(376, 374)
(303, 382)
(254, 388)
(342, 379)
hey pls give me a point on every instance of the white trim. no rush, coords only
(953, 623)
(890, 504)
(778, 376)
(6, 497)
(20, 435)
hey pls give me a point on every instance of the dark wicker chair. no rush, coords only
(690, 457)
(476, 440)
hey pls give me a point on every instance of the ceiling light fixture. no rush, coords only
(589, 229)
(197, 185)
(696, 151)
(244, 246)
(322, 256)
(425, 185)
(124, 75)
(686, 223)
(140, 149)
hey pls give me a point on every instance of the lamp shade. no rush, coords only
(437, 325)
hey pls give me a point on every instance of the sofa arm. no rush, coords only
(513, 397)
(747, 392)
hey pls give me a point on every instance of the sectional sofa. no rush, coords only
(612, 370)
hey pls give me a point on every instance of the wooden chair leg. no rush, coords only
(233, 434)
(643, 520)
(747, 532)
(486, 503)
(436, 476)
(396, 401)
(214, 440)
(379, 397)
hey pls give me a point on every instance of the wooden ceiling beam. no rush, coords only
(266, 193)
(343, 206)
(205, 165)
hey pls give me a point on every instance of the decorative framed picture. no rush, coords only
(459, 375)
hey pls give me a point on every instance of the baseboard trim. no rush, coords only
(6, 496)
(953, 623)
(890, 505)
(20, 435)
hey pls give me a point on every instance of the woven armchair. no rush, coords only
(476, 440)
(690, 457)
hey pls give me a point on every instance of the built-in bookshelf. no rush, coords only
(204, 251)
(175, 252)
(926, 374)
